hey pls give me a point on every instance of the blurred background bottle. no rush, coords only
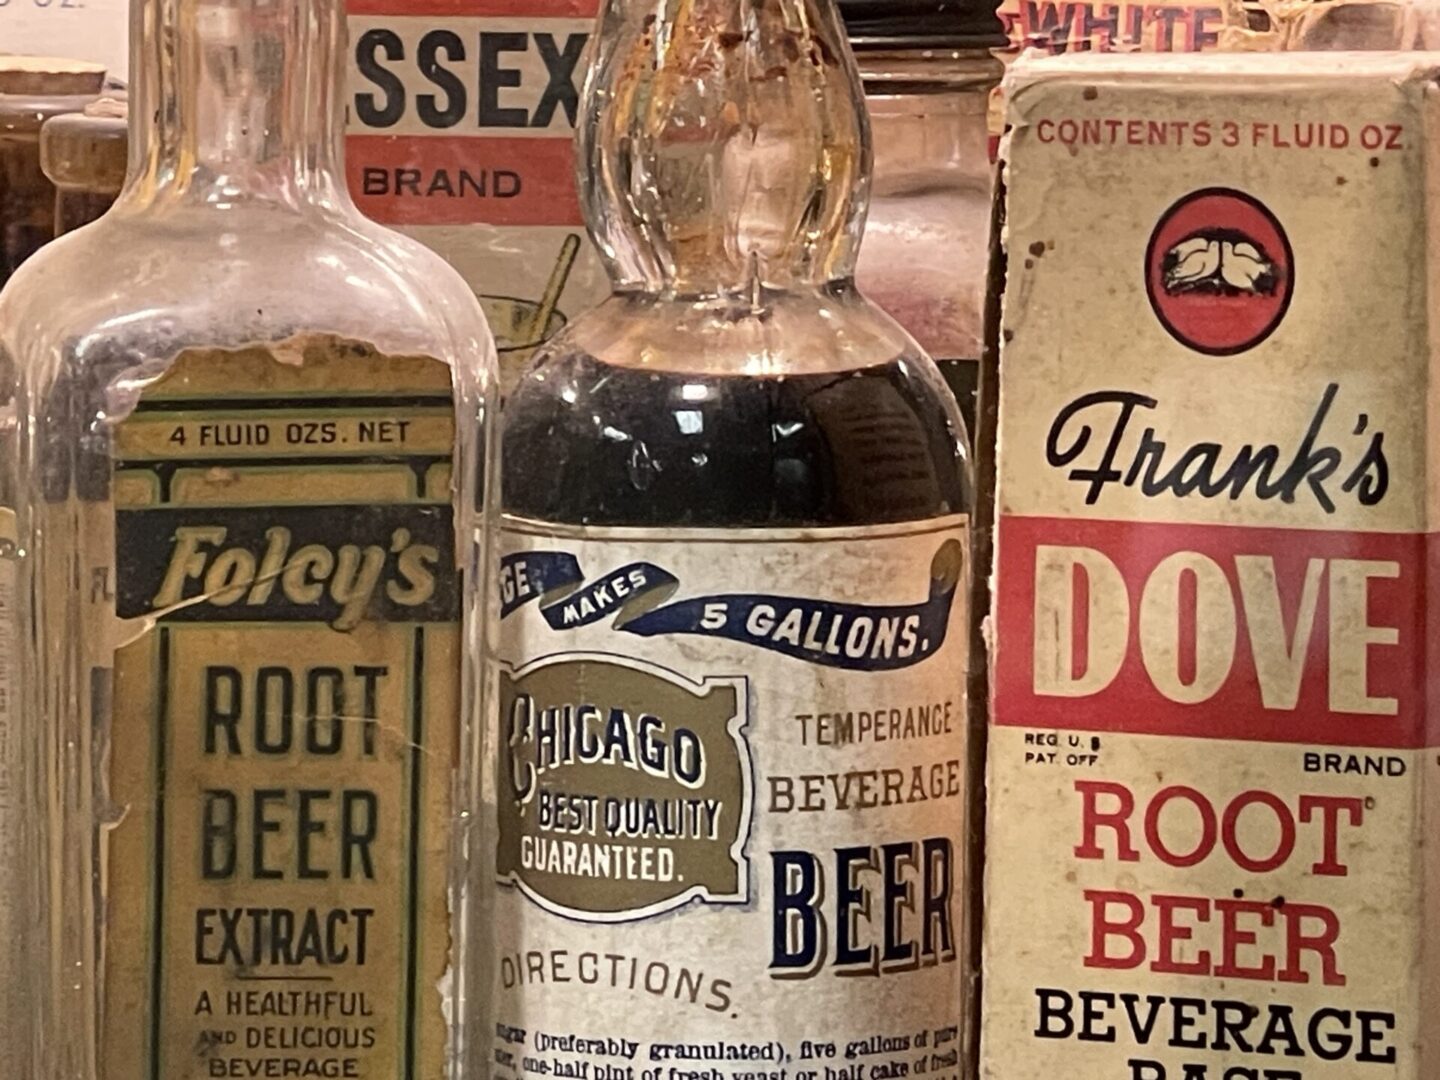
(84, 155)
(928, 70)
(32, 90)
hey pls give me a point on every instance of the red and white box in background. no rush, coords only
(461, 133)
(1214, 794)
(1062, 26)
(1104, 25)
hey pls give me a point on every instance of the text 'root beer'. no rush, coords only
(1210, 763)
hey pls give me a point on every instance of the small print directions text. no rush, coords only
(521, 1054)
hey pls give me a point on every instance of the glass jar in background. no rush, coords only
(84, 155)
(32, 90)
(928, 73)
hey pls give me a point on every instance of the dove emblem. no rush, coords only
(1221, 261)
(1219, 271)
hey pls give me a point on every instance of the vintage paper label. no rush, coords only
(680, 783)
(461, 134)
(1213, 780)
(285, 718)
(732, 795)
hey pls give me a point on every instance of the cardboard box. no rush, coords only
(1062, 26)
(461, 134)
(1213, 761)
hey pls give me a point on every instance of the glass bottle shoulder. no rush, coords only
(124, 294)
(814, 409)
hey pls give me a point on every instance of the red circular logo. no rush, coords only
(1219, 271)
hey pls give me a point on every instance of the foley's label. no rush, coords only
(731, 802)
(1213, 779)
(284, 719)
(461, 133)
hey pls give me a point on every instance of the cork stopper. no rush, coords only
(50, 76)
(87, 150)
(35, 88)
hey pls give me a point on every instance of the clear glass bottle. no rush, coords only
(928, 73)
(736, 498)
(33, 89)
(245, 450)
(84, 155)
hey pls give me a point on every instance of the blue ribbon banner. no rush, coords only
(857, 637)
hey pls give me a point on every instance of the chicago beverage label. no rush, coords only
(731, 799)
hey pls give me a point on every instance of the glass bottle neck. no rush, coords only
(236, 101)
(726, 145)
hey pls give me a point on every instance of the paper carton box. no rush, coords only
(461, 133)
(1212, 822)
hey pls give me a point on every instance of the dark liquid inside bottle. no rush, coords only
(963, 378)
(595, 444)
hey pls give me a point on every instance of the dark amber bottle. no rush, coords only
(32, 90)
